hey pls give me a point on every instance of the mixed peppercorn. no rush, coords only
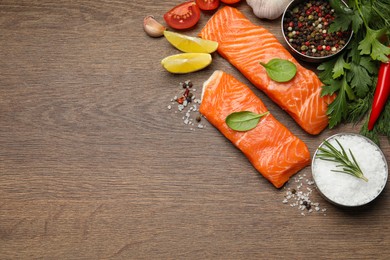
(187, 95)
(306, 27)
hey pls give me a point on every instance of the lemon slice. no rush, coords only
(190, 44)
(186, 62)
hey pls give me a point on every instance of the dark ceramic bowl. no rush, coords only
(297, 53)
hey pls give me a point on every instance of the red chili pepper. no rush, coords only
(382, 92)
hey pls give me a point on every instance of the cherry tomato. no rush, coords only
(183, 16)
(207, 4)
(230, 1)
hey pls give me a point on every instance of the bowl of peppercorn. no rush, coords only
(306, 30)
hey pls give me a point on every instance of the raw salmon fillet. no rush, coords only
(271, 148)
(244, 45)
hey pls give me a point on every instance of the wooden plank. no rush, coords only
(94, 165)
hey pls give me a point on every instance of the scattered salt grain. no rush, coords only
(299, 195)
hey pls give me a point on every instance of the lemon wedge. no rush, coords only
(190, 44)
(186, 62)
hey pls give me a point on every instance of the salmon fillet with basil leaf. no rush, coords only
(271, 148)
(245, 45)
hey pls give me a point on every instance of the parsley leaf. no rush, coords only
(339, 67)
(360, 79)
(344, 20)
(341, 23)
(337, 109)
(326, 70)
(357, 22)
(371, 45)
(331, 87)
(368, 64)
(345, 87)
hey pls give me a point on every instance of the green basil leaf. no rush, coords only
(243, 120)
(280, 70)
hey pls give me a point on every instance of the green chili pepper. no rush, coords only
(340, 7)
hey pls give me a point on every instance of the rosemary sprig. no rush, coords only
(330, 153)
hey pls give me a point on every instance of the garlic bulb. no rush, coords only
(268, 9)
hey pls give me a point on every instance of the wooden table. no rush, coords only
(93, 164)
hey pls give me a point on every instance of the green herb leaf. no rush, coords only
(244, 120)
(368, 64)
(360, 79)
(357, 22)
(326, 69)
(348, 163)
(332, 87)
(345, 87)
(338, 109)
(280, 70)
(341, 23)
(372, 46)
(339, 67)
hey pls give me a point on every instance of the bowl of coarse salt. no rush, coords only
(349, 170)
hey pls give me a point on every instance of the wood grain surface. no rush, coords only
(93, 164)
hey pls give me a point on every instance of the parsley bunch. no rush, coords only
(353, 73)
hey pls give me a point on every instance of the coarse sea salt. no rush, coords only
(298, 194)
(347, 190)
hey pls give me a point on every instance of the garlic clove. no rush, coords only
(152, 27)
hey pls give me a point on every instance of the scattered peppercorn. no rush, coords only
(187, 95)
(306, 28)
(186, 92)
